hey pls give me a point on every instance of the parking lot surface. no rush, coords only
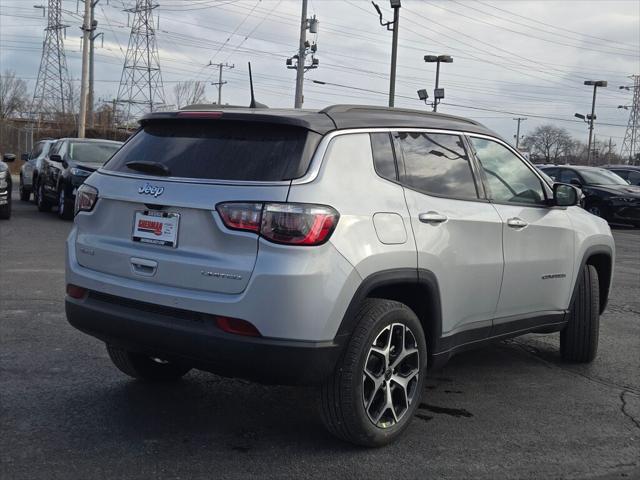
(511, 410)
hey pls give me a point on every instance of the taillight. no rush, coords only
(86, 198)
(286, 223)
(241, 216)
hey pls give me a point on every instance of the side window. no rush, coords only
(509, 179)
(552, 173)
(436, 163)
(623, 173)
(634, 177)
(383, 158)
(568, 176)
(37, 150)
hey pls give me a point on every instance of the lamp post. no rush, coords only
(592, 117)
(393, 26)
(438, 93)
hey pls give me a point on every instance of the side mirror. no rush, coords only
(8, 157)
(576, 182)
(565, 195)
(24, 157)
(55, 158)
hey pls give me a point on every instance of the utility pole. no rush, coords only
(92, 38)
(84, 83)
(394, 27)
(518, 119)
(304, 49)
(596, 84)
(220, 83)
(301, 56)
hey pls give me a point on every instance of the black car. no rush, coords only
(606, 194)
(31, 168)
(5, 186)
(631, 173)
(69, 163)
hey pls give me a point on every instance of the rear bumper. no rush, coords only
(193, 338)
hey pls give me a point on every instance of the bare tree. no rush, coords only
(13, 94)
(550, 142)
(189, 92)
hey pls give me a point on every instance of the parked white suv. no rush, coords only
(354, 248)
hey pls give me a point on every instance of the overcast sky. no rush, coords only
(510, 57)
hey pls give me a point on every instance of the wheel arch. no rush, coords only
(416, 288)
(601, 257)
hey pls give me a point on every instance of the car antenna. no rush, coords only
(253, 103)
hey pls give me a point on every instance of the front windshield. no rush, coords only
(602, 177)
(96, 153)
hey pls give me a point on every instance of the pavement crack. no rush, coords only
(623, 408)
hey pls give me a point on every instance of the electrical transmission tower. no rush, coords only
(52, 94)
(631, 144)
(141, 89)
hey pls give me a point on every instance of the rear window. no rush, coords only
(244, 151)
(96, 153)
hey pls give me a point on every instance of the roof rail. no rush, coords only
(345, 108)
(210, 106)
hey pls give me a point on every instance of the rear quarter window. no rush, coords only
(219, 150)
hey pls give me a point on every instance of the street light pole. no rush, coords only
(301, 55)
(596, 84)
(84, 83)
(438, 93)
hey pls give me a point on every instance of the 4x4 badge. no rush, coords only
(148, 189)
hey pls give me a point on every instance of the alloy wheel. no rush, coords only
(390, 375)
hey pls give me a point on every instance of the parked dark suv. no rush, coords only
(631, 173)
(69, 163)
(606, 194)
(5, 186)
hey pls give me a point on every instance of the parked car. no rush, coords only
(5, 186)
(353, 248)
(606, 194)
(631, 173)
(31, 167)
(69, 163)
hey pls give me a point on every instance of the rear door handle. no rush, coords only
(516, 222)
(432, 217)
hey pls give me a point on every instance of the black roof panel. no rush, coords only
(336, 117)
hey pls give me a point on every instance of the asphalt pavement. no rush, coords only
(510, 410)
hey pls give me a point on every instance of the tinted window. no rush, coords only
(37, 150)
(383, 158)
(220, 150)
(567, 175)
(509, 179)
(552, 173)
(622, 173)
(437, 163)
(94, 152)
(634, 178)
(600, 176)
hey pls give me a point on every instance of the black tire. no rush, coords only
(5, 211)
(142, 367)
(25, 194)
(579, 339)
(65, 207)
(43, 204)
(342, 402)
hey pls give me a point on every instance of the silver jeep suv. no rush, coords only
(354, 248)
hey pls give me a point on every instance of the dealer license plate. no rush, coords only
(157, 228)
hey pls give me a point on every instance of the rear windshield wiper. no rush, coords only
(156, 168)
